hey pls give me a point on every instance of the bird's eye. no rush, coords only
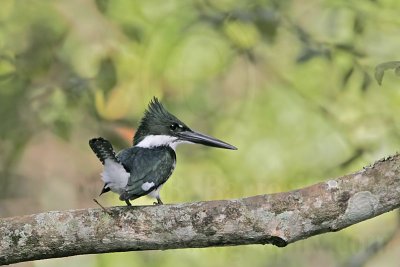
(173, 126)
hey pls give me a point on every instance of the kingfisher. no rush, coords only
(143, 168)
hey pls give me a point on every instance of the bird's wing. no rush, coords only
(149, 170)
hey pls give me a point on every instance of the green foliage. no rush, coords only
(289, 83)
(381, 68)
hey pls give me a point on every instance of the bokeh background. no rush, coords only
(290, 83)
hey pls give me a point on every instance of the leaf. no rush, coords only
(381, 68)
(309, 53)
(359, 24)
(115, 105)
(349, 48)
(243, 34)
(397, 71)
(106, 77)
(347, 76)
(366, 81)
(306, 55)
(102, 5)
(267, 21)
(6, 66)
(56, 114)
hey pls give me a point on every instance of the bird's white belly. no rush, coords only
(115, 176)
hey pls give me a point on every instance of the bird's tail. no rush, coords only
(103, 149)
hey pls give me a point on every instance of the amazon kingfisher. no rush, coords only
(144, 168)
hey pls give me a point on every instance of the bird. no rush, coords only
(143, 168)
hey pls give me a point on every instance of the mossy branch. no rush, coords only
(277, 219)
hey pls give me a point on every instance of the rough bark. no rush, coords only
(277, 219)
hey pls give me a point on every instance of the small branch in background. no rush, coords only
(361, 258)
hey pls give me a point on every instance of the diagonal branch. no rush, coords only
(277, 219)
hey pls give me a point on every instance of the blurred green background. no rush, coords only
(290, 83)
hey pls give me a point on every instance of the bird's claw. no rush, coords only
(159, 202)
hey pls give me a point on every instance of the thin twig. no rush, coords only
(101, 206)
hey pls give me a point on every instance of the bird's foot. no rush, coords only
(159, 202)
(128, 203)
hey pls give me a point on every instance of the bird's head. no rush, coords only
(158, 127)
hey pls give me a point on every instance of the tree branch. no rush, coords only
(277, 219)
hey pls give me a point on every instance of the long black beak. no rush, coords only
(203, 139)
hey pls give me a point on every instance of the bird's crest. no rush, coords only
(156, 110)
(155, 121)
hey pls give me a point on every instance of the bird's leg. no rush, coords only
(159, 202)
(128, 203)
